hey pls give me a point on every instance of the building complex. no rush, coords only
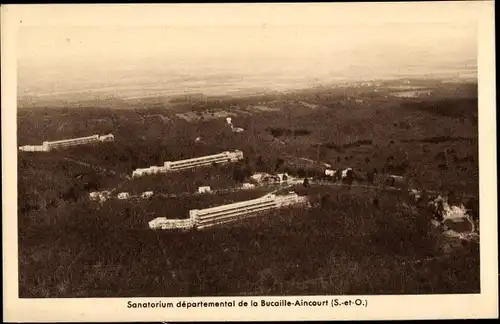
(52, 145)
(224, 157)
(203, 218)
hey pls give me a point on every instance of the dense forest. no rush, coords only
(72, 247)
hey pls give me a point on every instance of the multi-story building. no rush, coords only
(224, 157)
(71, 142)
(227, 213)
(203, 218)
(50, 145)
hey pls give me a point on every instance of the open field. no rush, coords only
(69, 247)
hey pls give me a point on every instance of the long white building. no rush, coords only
(50, 145)
(204, 218)
(71, 142)
(224, 157)
(227, 213)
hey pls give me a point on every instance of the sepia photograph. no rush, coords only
(249, 158)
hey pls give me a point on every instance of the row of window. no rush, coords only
(71, 143)
(234, 206)
(74, 140)
(237, 210)
(209, 159)
(194, 164)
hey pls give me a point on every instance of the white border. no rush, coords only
(483, 305)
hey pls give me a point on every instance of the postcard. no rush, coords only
(228, 162)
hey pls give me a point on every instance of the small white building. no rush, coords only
(151, 170)
(259, 176)
(454, 213)
(107, 138)
(102, 198)
(204, 189)
(139, 172)
(123, 195)
(283, 177)
(34, 148)
(166, 224)
(94, 195)
(247, 186)
(345, 172)
(157, 222)
(147, 194)
(330, 173)
(238, 129)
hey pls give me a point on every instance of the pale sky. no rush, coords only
(285, 30)
(53, 44)
(91, 41)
